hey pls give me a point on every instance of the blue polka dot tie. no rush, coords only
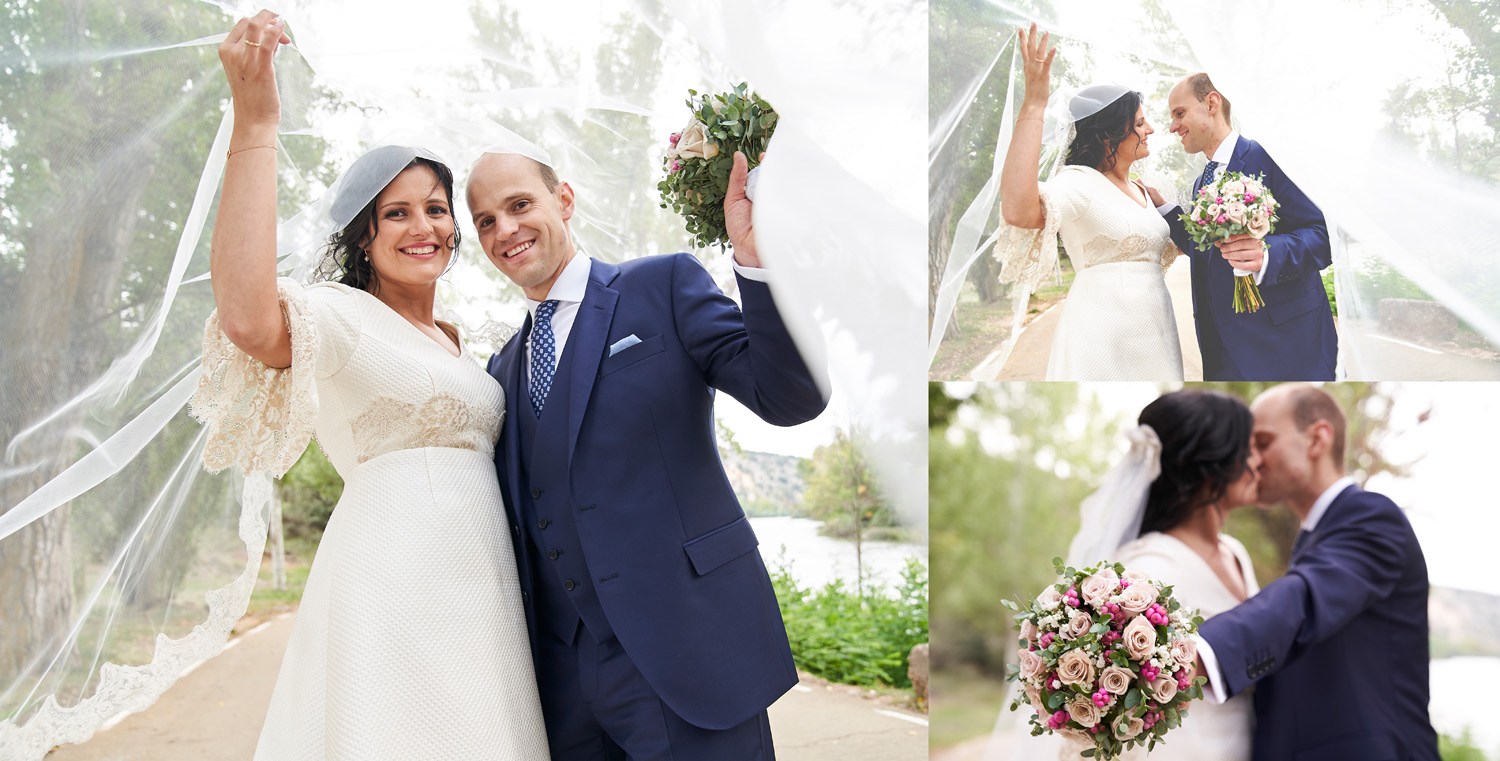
(543, 355)
(1207, 178)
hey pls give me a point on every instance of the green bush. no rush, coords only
(1459, 749)
(843, 637)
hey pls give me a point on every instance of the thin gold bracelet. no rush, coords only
(227, 154)
(1029, 119)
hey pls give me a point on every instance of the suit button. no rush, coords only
(536, 493)
(514, 529)
(525, 597)
(542, 523)
(553, 554)
(569, 585)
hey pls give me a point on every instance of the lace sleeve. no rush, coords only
(1028, 256)
(259, 418)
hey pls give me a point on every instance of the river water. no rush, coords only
(816, 560)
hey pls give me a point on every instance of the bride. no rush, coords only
(1162, 510)
(1117, 322)
(410, 641)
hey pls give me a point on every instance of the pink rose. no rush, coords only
(1035, 696)
(1096, 589)
(1116, 680)
(1164, 689)
(1032, 665)
(1259, 224)
(1076, 667)
(1078, 625)
(1128, 729)
(1029, 632)
(1137, 597)
(1235, 211)
(1184, 651)
(1049, 599)
(1139, 638)
(1083, 711)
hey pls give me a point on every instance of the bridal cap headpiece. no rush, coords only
(1069, 105)
(1111, 517)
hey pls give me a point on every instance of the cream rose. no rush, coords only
(1083, 711)
(1234, 188)
(1096, 589)
(1184, 651)
(1116, 680)
(1078, 625)
(1049, 599)
(1236, 211)
(1029, 632)
(1032, 665)
(1129, 729)
(1164, 689)
(694, 143)
(1259, 224)
(1137, 597)
(1134, 575)
(1035, 696)
(1075, 667)
(1140, 638)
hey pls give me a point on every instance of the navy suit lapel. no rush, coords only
(1237, 158)
(508, 372)
(586, 341)
(1330, 518)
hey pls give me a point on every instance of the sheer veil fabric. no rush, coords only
(126, 561)
(1292, 87)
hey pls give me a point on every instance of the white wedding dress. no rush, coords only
(410, 641)
(1210, 732)
(1117, 322)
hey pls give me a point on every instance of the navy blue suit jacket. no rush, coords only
(664, 538)
(1337, 648)
(1292, 337)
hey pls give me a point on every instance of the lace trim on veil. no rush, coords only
(134, 688)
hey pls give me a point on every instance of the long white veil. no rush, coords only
(1379, 109)
(121, 561)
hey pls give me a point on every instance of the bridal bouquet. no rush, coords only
(699, 157)
(1235, 205)
(1104, 659)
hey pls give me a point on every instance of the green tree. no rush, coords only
(843, 493)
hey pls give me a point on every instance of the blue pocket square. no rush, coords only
(623, 344)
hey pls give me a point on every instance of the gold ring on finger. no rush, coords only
(252, 44)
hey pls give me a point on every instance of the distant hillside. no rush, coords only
(1463, 623)
(767, 484)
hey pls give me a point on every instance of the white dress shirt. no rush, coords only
(1214, 690)
(568, 291)
(1223, 154)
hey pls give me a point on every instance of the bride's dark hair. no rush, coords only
(1205, 447)
(1099, 135)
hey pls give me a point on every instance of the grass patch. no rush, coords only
(984, 327)
(964, 705)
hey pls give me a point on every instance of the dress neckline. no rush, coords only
(1138, 204)
(1238, 562)
(457, 340)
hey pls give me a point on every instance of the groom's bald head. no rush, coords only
(1200, 113)
(1300, 431)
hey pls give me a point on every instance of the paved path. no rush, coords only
(215, 714)
(1028, 359)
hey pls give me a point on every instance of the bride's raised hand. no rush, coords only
(246, 55)
(1037, 62)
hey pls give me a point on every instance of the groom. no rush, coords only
(655, 628)
(1292, 337)
(1337, 648)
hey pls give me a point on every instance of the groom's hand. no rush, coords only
(1243, 252)
(737, 214)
